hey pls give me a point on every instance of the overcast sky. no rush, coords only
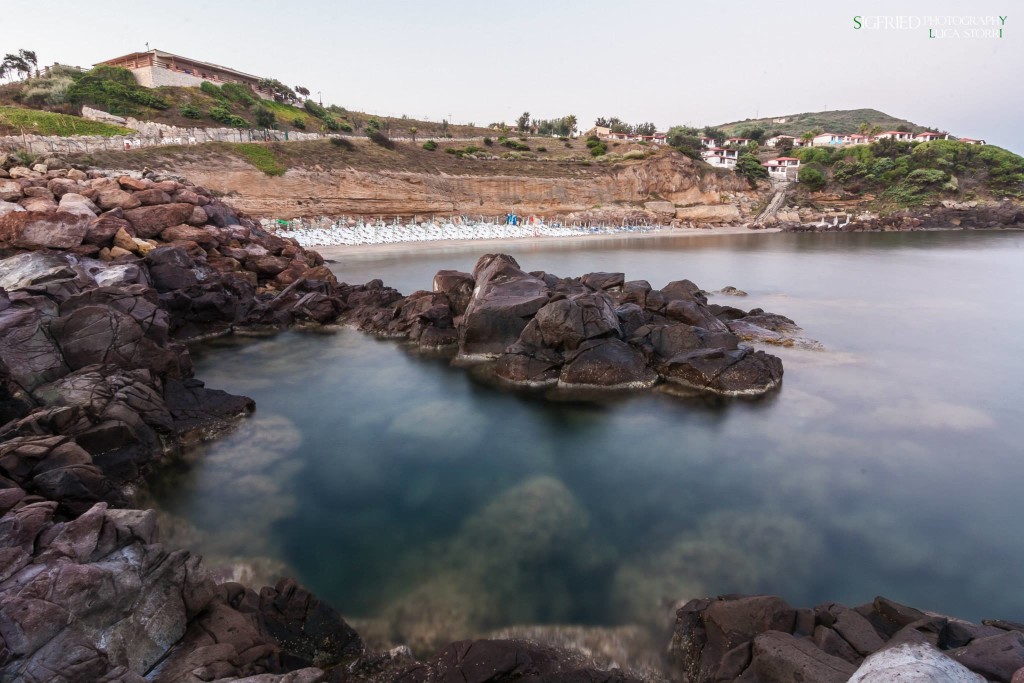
(666, 61)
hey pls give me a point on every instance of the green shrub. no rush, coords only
(635, 154)
(430, 145)
(316, 110)
(114, 90)
(343, 143)
(749, 166)
(236, 92)
(190, 111)
(463, 151)
(224, 116)
(265, 118)
(542, 149)
(516, 145)
(344, 127)
(812, 178)
(211, 89)
(383, 140)
(299, 123)
(597, 150)
(116, 74)
(46, 92)
(488, 142)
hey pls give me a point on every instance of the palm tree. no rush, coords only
(570, 123)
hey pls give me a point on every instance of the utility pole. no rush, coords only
(320, 97)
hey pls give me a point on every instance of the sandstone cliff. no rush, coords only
(470, 187)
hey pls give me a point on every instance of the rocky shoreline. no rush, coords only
(972, 215)
(104, 281)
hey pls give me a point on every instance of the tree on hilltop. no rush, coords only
(302, 91)
(21, 63)
(523, 122)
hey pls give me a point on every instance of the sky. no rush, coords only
(667, 61)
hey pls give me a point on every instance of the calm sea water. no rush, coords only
(403, 490)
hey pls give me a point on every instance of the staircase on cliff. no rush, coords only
(778, 199)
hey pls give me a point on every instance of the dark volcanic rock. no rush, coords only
(310, 631)
(506, 298)
(778, 657)
(608, 363)
(457, 286)
(566, 323)
(731, 372)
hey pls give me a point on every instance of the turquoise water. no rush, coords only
(403, 490)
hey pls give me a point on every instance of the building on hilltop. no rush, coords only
(929, 136)
(824, 139)
(155, 68)
(898, 135)
(972, 141)
(605, 133)
(776, 140)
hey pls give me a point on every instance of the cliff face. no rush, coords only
(311, 192)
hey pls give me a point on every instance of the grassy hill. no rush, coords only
(846, 121)
(114, 90)
(18, 121)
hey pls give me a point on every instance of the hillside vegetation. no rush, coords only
(18, 121)
(908, 174)
(115, 90)
(846, 121)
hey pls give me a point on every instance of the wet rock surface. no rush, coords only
(763, 639)
(599, 331)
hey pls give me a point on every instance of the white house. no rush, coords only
(709, 143)
(783, 167)
(972, 141)
(857, 139)
(898, 135)
(828, 139)
(775, 140)
(929, 136)
(738, 142)
(720, 158)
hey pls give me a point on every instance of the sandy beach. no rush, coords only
(336, 252)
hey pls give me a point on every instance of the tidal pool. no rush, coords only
(437, 507)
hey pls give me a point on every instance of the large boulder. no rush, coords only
(730, 372)
(98, 334)
(609, 364)
(27, 351)
(778, 657)
(457, 286)
(86, 596)
(150, 221)
(503, 302)
(913, 663)
(34, 229)
(566, 323)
